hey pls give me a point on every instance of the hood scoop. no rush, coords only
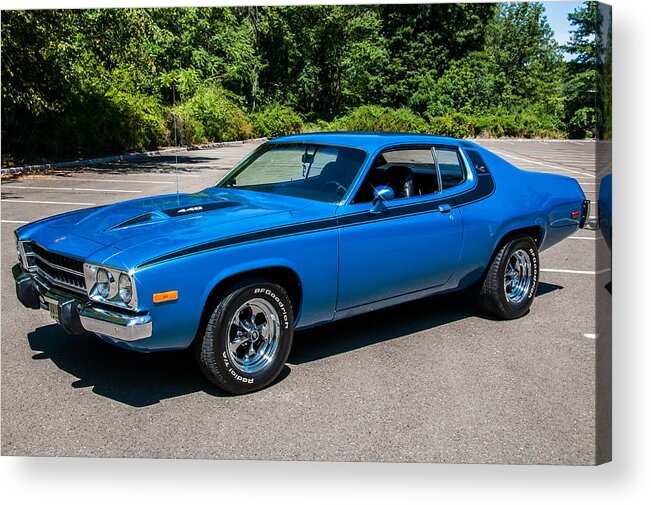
(149, 217)
(164, 215)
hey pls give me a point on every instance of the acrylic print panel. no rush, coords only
(374, 282)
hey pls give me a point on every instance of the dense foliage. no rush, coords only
(587, 87)
(79, 82)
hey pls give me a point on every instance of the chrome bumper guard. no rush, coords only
(94, 319)
(116, 325)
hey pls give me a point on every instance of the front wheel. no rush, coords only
(248, 338)
(512, 280)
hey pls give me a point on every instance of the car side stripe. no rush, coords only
(484, 188)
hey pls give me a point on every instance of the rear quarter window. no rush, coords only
(452, 169)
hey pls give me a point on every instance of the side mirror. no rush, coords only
(381, 194)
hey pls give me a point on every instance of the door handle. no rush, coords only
(445, 207)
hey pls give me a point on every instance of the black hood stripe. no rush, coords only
(484, 188)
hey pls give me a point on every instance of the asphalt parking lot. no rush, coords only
(429, 381)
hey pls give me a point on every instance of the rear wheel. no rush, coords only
(510, 285)
(248, 338)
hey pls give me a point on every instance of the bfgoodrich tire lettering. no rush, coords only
(248, 338)
(511, 281)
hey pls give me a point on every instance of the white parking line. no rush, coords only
(591, 335)
(577, 177)
(585, 238)
(572, 159)
(584, 272)
(11, 200)
(13, 222)
(508, 155)
(51, 188)
(121, 181)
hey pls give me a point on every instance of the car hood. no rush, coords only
(137, 230)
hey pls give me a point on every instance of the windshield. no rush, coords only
(316, 172)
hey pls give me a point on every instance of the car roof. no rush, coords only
(369, 141)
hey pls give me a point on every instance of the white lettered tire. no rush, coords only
(247, 338)
(512, 279)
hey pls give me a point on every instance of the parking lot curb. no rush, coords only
(121, 157)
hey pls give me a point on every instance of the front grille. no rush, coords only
(61, 270)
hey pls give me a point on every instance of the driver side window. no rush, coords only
(412, 171)
(407, 171)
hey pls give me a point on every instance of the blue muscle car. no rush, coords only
(605, 208)
(306, 230)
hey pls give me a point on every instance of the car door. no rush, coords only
(412, 246)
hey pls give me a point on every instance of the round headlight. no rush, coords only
(102, 282)
(124, 288)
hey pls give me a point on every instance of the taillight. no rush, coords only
(576, 214)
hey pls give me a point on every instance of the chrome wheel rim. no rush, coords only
(253, 335)
(518, 277)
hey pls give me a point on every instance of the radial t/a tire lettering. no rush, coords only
(511, 282)
(247, 338)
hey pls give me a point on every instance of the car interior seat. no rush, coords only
(401, 180)
(342, 170)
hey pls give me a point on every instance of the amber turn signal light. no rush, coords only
(166, 296)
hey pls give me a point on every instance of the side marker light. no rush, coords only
(166, 296)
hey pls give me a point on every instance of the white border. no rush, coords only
(78, 480)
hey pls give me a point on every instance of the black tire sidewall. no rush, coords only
(238, 380)
(529, 247)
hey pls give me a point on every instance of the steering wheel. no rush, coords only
(338, 187)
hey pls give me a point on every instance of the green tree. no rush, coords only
(581, 83)
(79, 82)
(588, 86)
(522, 45)
(216, 43)
(583, 42)
(604, 73)
(424, 39)
(470, 85)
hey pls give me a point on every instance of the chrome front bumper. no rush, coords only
(34, 293)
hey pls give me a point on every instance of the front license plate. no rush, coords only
(54, 311)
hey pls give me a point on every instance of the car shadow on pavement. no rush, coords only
(139, 379)
(545, 287)
(387, 324)
(128, 377)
